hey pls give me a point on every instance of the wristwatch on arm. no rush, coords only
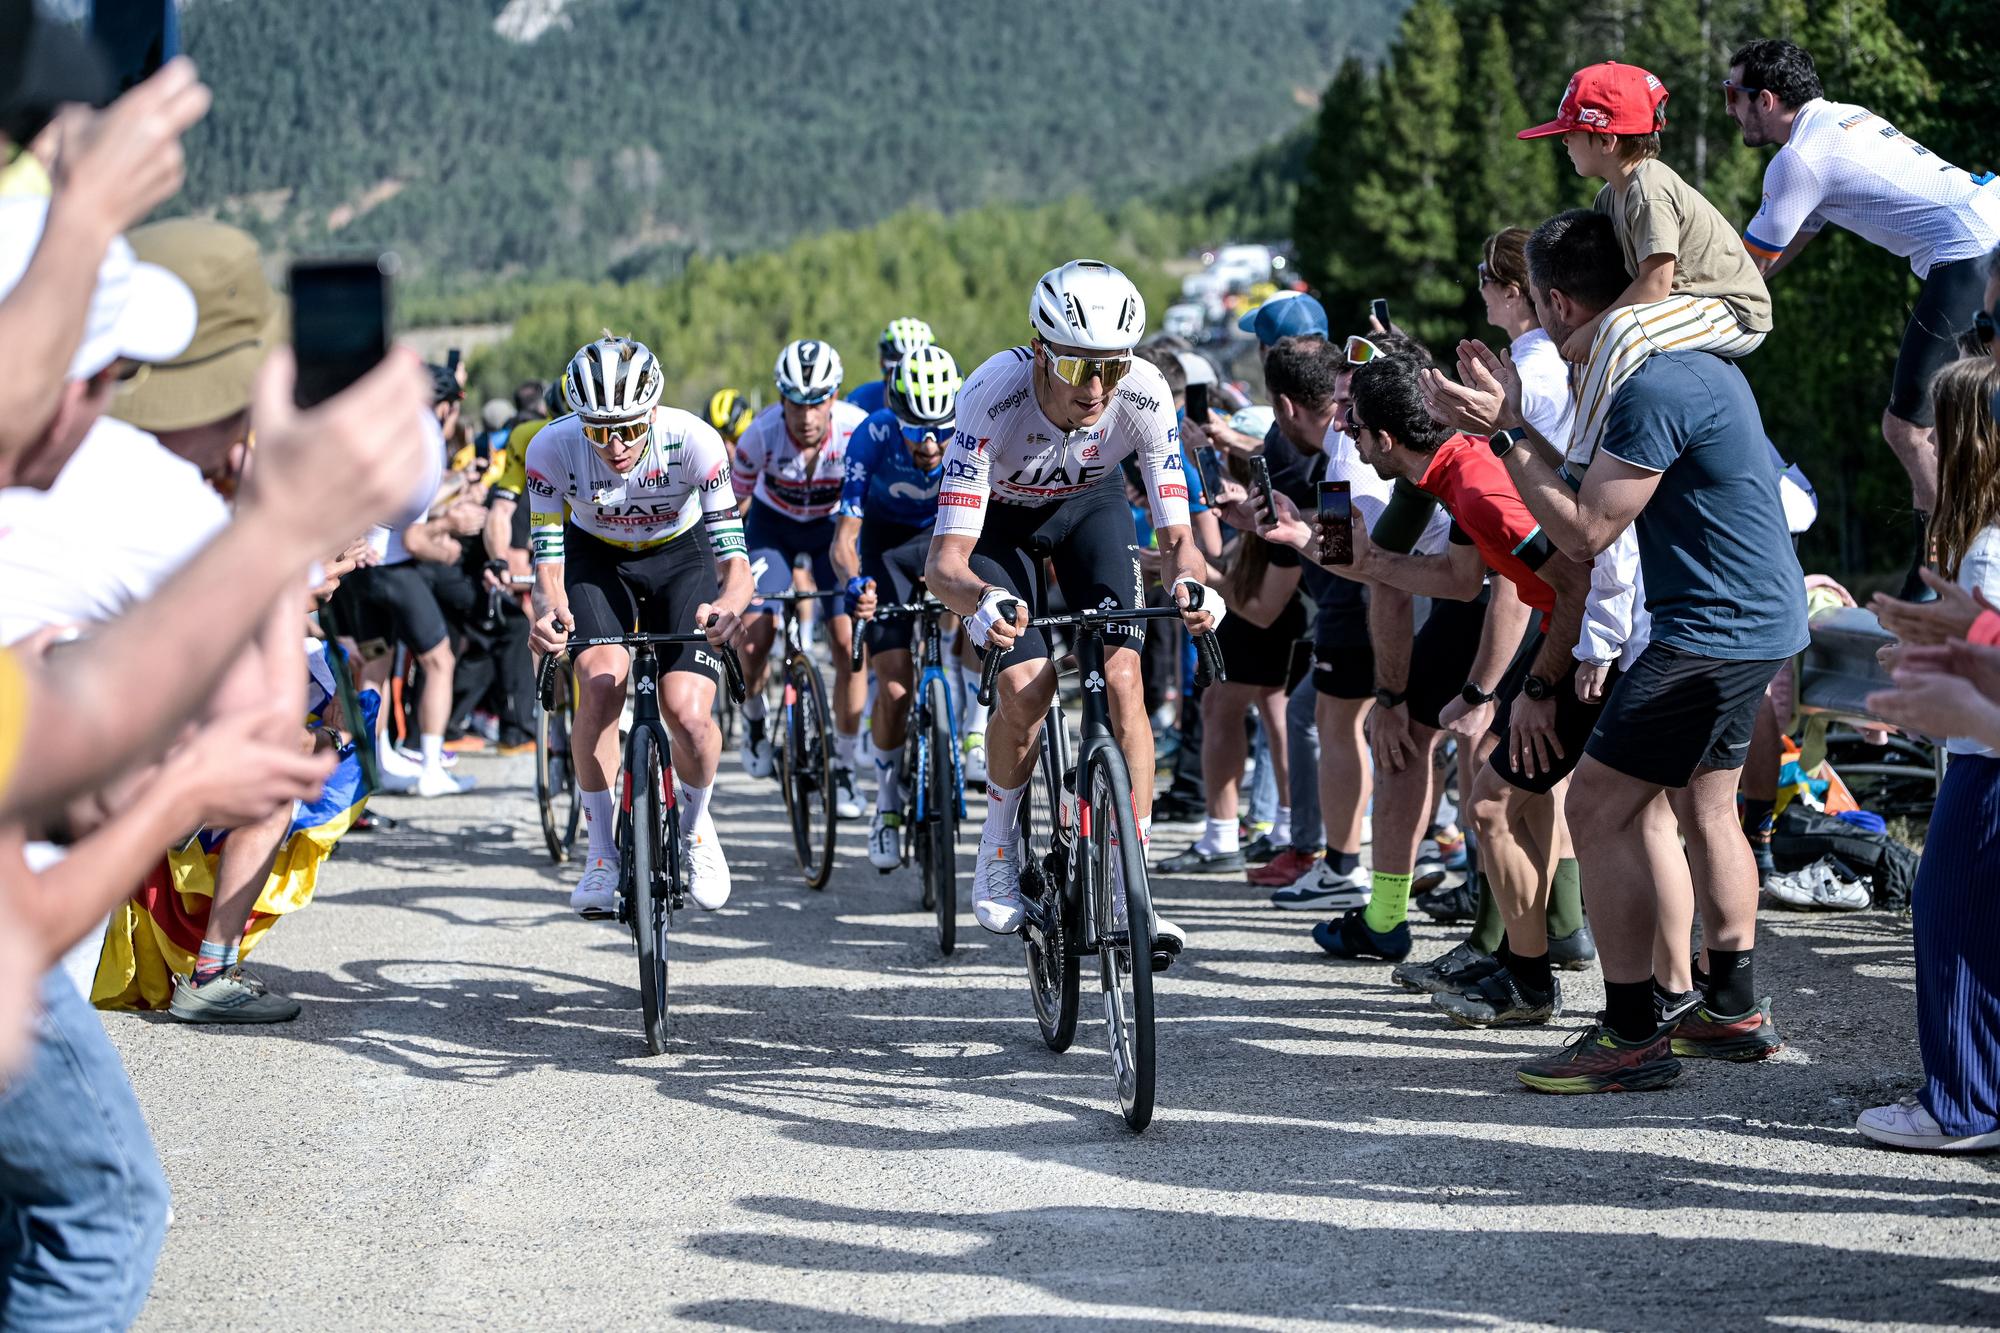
(1473, 695)
(1390, 698)
(1502, 441)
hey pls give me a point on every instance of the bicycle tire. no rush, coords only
(1125, 973)
(555, 773)
(1050, 950)
(654, 868)
(809, 771)
(940, 822)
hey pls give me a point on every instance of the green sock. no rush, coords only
(1487, 927)
(1565, 900)
(1388, 901)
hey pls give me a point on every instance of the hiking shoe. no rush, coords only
(229, 997)
(1499, 1000)
(1327, 892)
(1825, 886)
(1195, 861)
(1287, 868)
(1458, 970)
(1575, 951)
(1906, 1124)
(1448, 902)
(1668, 1005)
(1349, 936)
(1261, 851)
(1599, 1060)
(1701, 1035)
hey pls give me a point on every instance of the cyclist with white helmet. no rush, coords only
(1033, 475)
(883, 533)
(614, 491)
(789, 468)
(899, 339)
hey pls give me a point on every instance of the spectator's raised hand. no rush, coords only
(1949, 617)
(1287, 525)
(242, 767)
(1938, 705)
(1975, 662)
(117, 165)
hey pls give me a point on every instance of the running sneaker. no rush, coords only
(1701, 1035)
(1261, 850)
(1906, 1124)
(996, 890)
(704, 869)
(229, 997)
(1350, 936)
(1826, 885)
(1195, 861)
(759, 760)
(1457, 970)
(1575, 951)
(846, 801)
(596, 893)
(885, 841)
(1500, 1000)
(1599, 1060)
(1285, 869)
(435, 782)
(1327, 891)
(1668, 1005)
(973, 758)
(1450, 902)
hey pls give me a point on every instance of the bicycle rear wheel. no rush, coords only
(1124, 957)
(555, 772)
(939, 827)
(1049, 935)
(653, 880)
(809, 771)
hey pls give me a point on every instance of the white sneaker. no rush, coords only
(704, 869)
(436, 782)
(885, 841)
(394, 761)
(1906, 1124)
(996, 890)
(1824, 885)
(596, 892)
(759, 759)
(846, 802)
(1321, 890)
(974, 760)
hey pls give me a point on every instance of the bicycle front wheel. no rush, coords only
(1048, 870)
(940, 822)
(809, 771)
(654, 873)
(555, 773)
(1123, 916)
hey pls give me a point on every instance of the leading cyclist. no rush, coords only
(1033, 473)
(634, 477)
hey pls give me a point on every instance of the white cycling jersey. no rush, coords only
(770, 467)
(1004, 446)
(681, 477)
(1846, 165)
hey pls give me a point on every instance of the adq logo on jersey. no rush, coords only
(956, 467)
(1094, 683)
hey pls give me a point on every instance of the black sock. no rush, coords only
(1532, 973)
(1755, 817)
(1731, 985)
(1628, 1009)
(1343, 863)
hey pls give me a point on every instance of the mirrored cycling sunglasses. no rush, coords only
(805, 400)
(1352, 423)
(1730, 88)
(1360, 351)
(1081, 370)
(610, 433)
(934, 432)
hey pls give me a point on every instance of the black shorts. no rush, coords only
(1574, 719)
(1441, 657)
(395, 602)
(613, 591)
(893, 554)
(1344, 671)
(1091, 541)
(777, 544)
(1674, 712)
(1260, 656)
(1950, 297)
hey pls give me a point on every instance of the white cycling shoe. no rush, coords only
(996, 890)
(974, 759)
(434, 782)
(759, 759)
(596, 893)
(704, 869)
(885, 841)
(846, 801)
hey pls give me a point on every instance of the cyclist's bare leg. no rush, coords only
(889, 723)
(753, 645)
(600, 698)
(1127, 700)
(686, 704)
(1915, 448)
(1021, 701)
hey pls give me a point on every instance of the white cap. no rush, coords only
(139, 311)
(1197, 368)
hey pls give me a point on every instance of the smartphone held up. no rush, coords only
(340, 322)
(1336, 523)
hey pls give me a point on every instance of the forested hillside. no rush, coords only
(628, 134)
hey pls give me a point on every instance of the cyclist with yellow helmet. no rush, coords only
(730, 413)
(899, 339)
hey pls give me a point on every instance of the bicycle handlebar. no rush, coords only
(1208, 663)
(893, 611)
(732, 666)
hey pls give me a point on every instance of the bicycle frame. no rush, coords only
(928, 657)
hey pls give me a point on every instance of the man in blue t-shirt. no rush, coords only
(1684, 461)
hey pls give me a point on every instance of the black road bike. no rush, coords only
(805, 743)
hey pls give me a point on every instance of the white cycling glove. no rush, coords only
(981, 622)
(1204, 598)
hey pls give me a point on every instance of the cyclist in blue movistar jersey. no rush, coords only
(901, 337)
(888, 505)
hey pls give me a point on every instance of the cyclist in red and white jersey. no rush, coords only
(1033, 476)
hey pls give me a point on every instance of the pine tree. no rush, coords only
(1337, 256)
(1508, 183)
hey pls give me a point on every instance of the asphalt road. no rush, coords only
(852, 1132)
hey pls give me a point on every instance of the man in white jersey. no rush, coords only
(789, 468)
(1033, 474)
(634, 478)
(1845, 165)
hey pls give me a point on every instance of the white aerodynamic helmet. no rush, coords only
(923, 391)
(613, 379)
(1090, 305)
(808, 371)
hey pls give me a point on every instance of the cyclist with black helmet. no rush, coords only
(899, 338)
(789, 468)
(616, 489)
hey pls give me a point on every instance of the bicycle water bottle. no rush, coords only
(1066, 815)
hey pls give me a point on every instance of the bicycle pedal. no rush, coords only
(599, 914)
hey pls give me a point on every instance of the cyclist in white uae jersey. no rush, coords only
(1842, 164)
(1033, 472)
(614, 492)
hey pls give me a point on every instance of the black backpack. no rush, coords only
(1803, 835)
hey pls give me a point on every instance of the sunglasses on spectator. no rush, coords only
(612, 433)
(935, 432)
(1730, 88)
(1360, 351)
(1352, 424)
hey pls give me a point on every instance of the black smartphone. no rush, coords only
(1260, 472)
(1336, 523)
(451, 360)
(1210, 463)
(340, 322)
(136, 36)
(1197, 404)
(1380, 309)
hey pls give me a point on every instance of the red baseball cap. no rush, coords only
(1609, 98)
